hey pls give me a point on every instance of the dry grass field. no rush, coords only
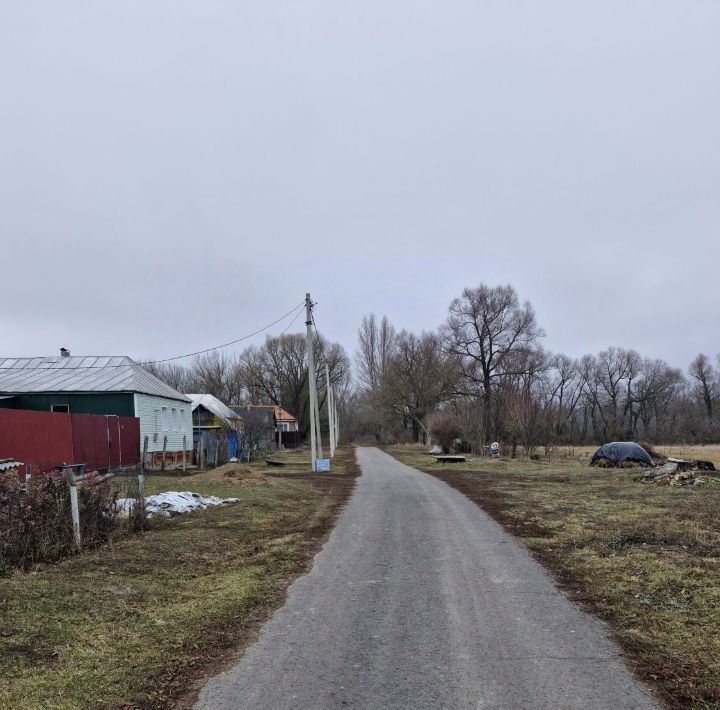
(644, 558)
(709, 452)
(135, 623)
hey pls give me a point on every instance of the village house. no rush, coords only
(101, 385)
(281, 427)
(216, 426)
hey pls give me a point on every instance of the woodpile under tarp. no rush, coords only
(678, 472)
(618, 453)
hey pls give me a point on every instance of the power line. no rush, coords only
(51, 362)
(232, 342)
(297, 315)
(312, 317)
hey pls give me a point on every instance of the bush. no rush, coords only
(445, 428)
(36, 523)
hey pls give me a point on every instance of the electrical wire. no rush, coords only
(297, 315)
(232, 342)
(176, 357)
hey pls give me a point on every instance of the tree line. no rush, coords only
(272, 373)
(485, 376)
(482, 376)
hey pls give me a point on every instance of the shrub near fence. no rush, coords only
(36, 522)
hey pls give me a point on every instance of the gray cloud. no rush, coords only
(173, 175)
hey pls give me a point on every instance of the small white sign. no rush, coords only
(322, 464)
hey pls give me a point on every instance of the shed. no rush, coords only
(214, 422)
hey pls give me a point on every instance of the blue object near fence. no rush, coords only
(232, 445)
(322, 464)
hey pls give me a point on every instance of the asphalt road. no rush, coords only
(419, 600)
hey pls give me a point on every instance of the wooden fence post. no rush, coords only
(74, 509)
(184, 453)
(162, 465)
(144, 455)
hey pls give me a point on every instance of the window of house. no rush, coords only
(182, 420)
(174, 419)
(284, 426)
(60, 408)
(165, 422)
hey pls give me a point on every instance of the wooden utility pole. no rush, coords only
(143, 461)
(311, 379)
(141, 470)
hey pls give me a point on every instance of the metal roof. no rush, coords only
(9, 464)
(80, 374)
(214, 405)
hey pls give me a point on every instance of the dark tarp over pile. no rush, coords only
(619, 451)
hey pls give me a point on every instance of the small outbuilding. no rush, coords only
(214, 423)
(618, 452)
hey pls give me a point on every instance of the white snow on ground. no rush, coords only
(174, 503)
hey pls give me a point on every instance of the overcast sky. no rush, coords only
(176, 174)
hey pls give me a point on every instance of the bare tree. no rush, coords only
(420, 376)
(255, 435)
(486, 329)
(707, 383)
(376, 342)
(217, 374)
(276, 372)
(178, 376)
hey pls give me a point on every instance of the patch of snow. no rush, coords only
(174, 503)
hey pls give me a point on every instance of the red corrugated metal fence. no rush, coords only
(106, 441)
(49, 439)
(41, 438)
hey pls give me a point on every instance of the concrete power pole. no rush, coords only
(331, 418)
(311, 378)
(317, 423)
(336, 421)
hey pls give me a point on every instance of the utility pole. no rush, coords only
(336, 421)
(331, 418)
(317, 423)
(311, 377)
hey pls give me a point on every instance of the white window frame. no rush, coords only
(174, 419)
(164, 417)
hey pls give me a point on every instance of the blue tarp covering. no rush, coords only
(619, 451)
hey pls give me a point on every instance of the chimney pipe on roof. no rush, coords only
(64, 352)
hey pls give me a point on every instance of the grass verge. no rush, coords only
(646, 559)
(139, 622)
